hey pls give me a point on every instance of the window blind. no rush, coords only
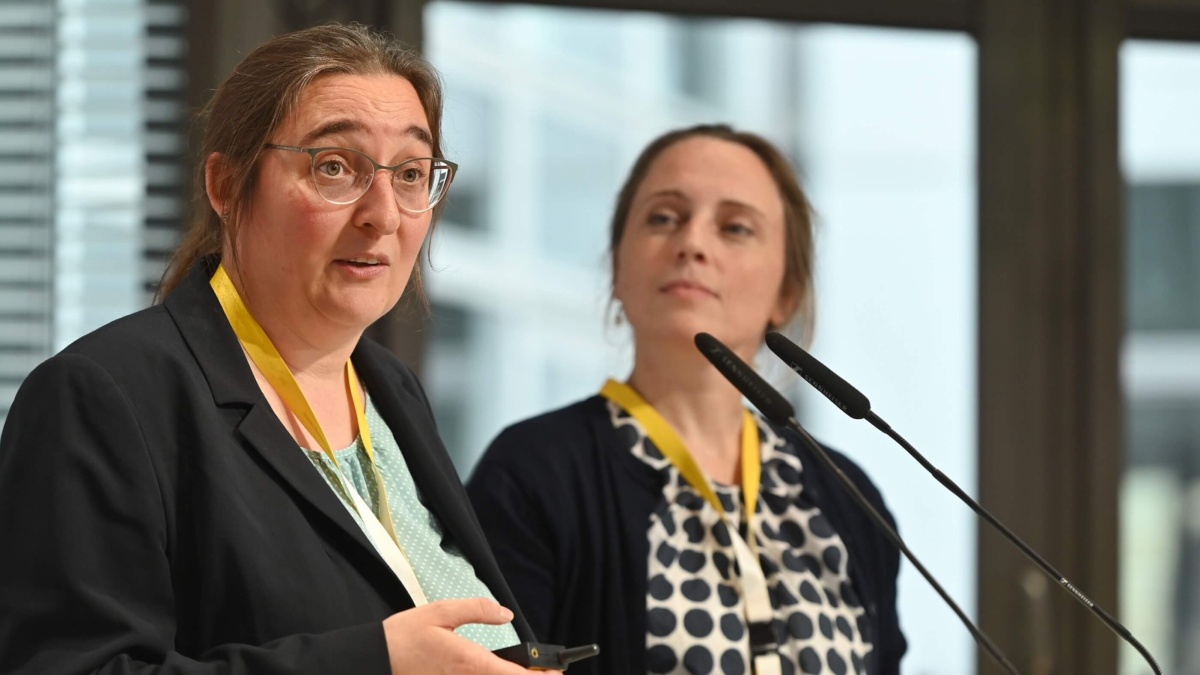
(92, 131)
(27, 132)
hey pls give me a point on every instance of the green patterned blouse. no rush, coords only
(442, 571)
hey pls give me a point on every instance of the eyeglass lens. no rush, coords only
(342, 176)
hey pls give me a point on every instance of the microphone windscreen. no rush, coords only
(763, 396)
(850, 400)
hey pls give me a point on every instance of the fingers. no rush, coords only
(483, 662)
(423, 639)
(451, 614)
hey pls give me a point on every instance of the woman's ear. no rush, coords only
(214, 183)
(785, 307)
(614, 294)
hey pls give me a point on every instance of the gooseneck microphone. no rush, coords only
(777, 409)
(854, 404)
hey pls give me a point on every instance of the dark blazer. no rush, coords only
(156, 517)
(567, 506)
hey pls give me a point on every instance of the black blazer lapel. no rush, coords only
(202, 322)
(436, 479)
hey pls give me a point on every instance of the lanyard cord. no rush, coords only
(264, 355)
(668, 441)
(758, 610)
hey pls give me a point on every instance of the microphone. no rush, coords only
(837, 390)
(850, 400)
(777, 409)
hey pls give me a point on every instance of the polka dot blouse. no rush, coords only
(695, 618)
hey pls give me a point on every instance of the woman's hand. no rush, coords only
(422, 640)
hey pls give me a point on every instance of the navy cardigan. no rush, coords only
(566, 508)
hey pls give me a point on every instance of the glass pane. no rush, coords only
(27, 64)
(1160, 491)
(572, 222)
(467, 137)
(881, 124)
(91, 157)
(1164, 245)
(888, 137)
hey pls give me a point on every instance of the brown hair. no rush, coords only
(797, 213)
(261, 93)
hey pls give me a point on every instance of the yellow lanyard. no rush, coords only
(757, 605)
(671, 445)
(264, 355)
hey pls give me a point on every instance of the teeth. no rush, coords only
(364, 261)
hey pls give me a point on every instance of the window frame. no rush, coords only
(1051, 269)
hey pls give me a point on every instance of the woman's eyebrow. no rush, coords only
(342, 126)
(743, 205)
(330, 128)
(421, 134)
(663, 193)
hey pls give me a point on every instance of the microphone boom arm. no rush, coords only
(894, 537)
(777, 409)
(1045, 566)
(837, 389)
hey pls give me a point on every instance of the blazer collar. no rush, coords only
(202, 323)
(410, 420)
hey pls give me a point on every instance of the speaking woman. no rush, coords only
(236, 481)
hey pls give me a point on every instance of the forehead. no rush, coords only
(706, 168)
(378, 105)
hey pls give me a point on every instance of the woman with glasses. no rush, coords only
(235, 480)
(660, 517)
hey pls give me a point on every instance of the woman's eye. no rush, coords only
(661, 218)
(411, 175)
(332, 168)
(737, 229)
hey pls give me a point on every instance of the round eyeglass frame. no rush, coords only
(312, 169)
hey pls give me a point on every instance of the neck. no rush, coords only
(315, 354)
(321, 362)
(702, 406)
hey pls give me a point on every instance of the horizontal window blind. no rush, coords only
(92, 129)
(27, 140)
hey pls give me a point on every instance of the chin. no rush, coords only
(359, 314)
(675, 326)
(683, 335)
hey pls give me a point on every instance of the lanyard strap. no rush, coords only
(763, 647)
(671, 445)
(380, 530)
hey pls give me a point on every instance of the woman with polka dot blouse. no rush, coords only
(661, 518)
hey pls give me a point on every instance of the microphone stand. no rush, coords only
(777, 409)
(894, 537)
(852, 402)
(1108, 620)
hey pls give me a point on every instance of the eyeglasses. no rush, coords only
(342, 176)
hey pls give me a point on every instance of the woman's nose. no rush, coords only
(378, 208)
(692, 245)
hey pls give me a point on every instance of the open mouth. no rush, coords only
(362, 262)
